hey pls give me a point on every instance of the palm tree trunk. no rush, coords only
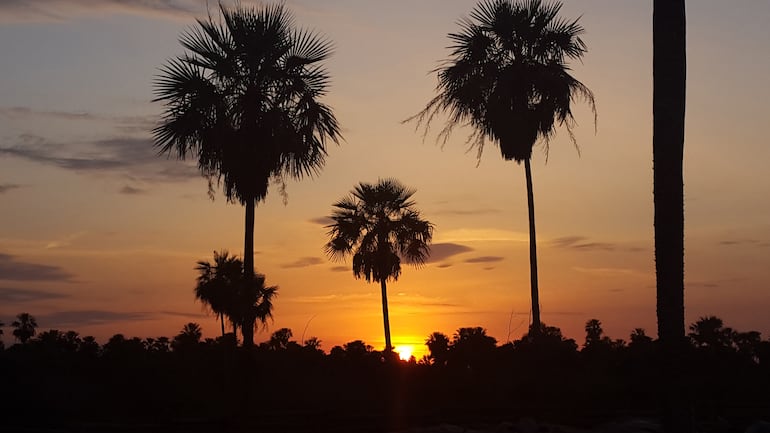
(248, 243)
(668, 107)
(247, 330)
(535, 331)
(222, 322)
(386, 319)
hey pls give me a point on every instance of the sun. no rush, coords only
(404, 352)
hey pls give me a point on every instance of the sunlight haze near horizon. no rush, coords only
(100, 236)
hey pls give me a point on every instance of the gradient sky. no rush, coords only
(100, 236)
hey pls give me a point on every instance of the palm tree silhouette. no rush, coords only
(508, 79)
(253, 306)
(669, 70)
(25, 326)
(218, 284)
(378, 225)
(223, 287)
(244, 101)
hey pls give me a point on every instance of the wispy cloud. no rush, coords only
(323, 221)
(335, 298)
(744, 242)
(5, 187)
(14, 295)
(134, 158)
(484, 259)
(340, 269)
(184, 314)
(14, 270)
(607, 271)
(582, 243)
(483, 235)
(64, 241)
(89, 317)
(304, 262)
(60, 10)
(124, 124)
(444, 250)
(130, 190)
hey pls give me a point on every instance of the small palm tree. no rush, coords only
(244, 101)
(379, 227)
(25, 326)
(223, 287)
(507, 78)
(218, 283)
(253, 306)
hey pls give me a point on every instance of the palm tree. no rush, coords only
(669, 70)
(223, 287)
(218, 284)
(379, 227)
(25, 326)
(669, 81)
(244, 101)
(253, 306)
(508, 79)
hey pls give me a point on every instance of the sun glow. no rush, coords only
(404, 352)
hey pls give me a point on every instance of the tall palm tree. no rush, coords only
(508, 79)
(379, 227)
(25, 326)
(244, 101)
(669, 83)
(669, 70)
(218, 284)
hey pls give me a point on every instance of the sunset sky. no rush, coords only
(99, 235)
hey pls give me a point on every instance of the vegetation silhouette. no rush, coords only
(218, 284)
(62, 380)
(24, 327)
(244, 101)
(379, 227)
(223, 287)
(508, 79)
(669, 70)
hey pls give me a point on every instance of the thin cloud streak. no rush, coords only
(304, 262)
(135, 158)
(14, 270)
(14, 295)
(79, 318)
(6, 187)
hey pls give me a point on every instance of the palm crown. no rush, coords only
(507, 76)
(379, 227)
(244, 100)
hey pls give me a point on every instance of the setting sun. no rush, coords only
(404, 352)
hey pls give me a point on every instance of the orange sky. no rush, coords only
(98, 235)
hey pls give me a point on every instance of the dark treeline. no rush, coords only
(185, 383)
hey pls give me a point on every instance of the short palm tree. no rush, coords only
(218, 284)
(507, 79)
(253, 306)
(379, 227)
(244, 102)
(24, 327)
(224, 289)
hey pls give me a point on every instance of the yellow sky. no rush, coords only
(102, 247)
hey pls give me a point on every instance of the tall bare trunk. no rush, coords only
(222, 322)
(247, 326)
(669, 83)
(536, 327)
(386, 319)
(248, 243)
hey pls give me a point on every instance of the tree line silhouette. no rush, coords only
(189, 383)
